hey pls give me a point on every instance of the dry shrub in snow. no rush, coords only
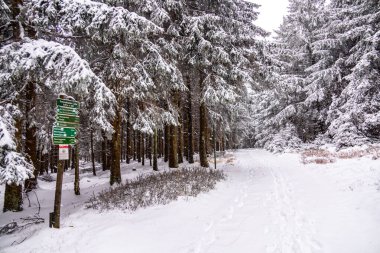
(318, 156)
(157, 189)
(321, 156)
(356, 153)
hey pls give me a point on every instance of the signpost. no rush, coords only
(64, 134)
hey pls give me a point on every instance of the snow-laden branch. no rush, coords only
(100, 21)
(14, 168)
(4, 13)
(59, 68)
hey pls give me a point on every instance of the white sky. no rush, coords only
(271, 13)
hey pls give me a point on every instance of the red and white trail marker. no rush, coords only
(63, 153)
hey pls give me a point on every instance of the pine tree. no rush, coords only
(29, 66)
(353, 35)
(284, 106)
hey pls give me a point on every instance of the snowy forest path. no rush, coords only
(294, 230)
(270, 203)
(262, 200)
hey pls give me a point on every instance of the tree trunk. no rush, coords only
(166, 140)
(46, 163)
(138, 148)
(39, 166)
(173, 154)
(142, 143)
(190, 148)
(128, 147)
(203, 135)
(223, 142)
(122, 143)
(72, 154)
(58, 195)
(15, 9)
(185, 135)
(30, 137)
(52, 160)
(129, 142)
(13, 198)
(109, 153)
(155, 166)
(160, 151)
(76, 173)
(116, 150)
(71, 159)
(149, 149)
(104, 151)
(214, 143)
(180, 136)
(92, 152)
(134, 146)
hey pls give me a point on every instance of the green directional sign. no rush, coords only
(64, 132)
(67, 111)
(67, 103)
(67, 122)
(66, 125)
(62, 140)
(67, 118)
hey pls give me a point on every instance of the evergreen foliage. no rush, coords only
(323, 81)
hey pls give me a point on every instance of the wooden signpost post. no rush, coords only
(64, 134)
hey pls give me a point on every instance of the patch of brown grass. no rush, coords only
(349, 154)
(321, 156)
(230, 160)
(223, 160)
(318, 156)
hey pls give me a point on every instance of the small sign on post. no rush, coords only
(63, 153)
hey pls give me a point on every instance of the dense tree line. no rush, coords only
(153, 77)
(323, 77)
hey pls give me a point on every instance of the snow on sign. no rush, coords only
(63, 153)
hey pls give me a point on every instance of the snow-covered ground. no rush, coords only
(270, 203)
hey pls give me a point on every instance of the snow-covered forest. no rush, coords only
(322, 85)
(167, 84)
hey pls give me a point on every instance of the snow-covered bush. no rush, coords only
(157, 189)
(14, 168)
(285, 138)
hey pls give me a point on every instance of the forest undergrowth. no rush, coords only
(157, 189)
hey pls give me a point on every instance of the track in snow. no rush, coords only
(287, 229)
(269, 204)
(294, 231)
